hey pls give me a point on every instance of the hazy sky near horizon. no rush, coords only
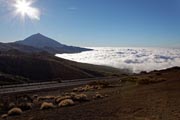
(127, 23)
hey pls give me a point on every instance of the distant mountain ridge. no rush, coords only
(49, 45)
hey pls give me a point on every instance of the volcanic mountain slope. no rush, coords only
(12, 47)
(22, 68)
(39, 43)
(47, 44)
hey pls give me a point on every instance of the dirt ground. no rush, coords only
(127, 101)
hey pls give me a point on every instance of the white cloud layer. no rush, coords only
(135, 59)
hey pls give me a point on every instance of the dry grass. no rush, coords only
(144, 79)
(95, 85)
(98, 95)
(43, 98)
(59, 99)
(46, 105)
(4, 116)
(66, 102)
(150, 80)
(130, 79)
(103, 83)
(80, 97)
(79, 89)
(72, 94)
(15, 111)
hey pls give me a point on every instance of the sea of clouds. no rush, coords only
(134, 59)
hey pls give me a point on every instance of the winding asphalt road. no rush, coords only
(47, 85)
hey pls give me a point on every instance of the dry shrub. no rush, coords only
(93, 86)
(97, 87)
(87, 88)
(57, 97)
(25, 106)
(66, 102)
(79, 89)
(46, 98)
(50, 97)
(98, 95)
(15, 111)
(80, 97)
(75, 90)
(46, 105)
(150, 80)
(103, 83)
(143, 79)
(4, 116)
(130, 79)
(58, 100)
(106, 95)
(72, 94)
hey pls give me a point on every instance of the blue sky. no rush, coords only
(127, 23)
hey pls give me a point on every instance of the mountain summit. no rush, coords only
(40, 41)
(49, 45)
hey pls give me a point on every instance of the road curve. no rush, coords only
(48, 85)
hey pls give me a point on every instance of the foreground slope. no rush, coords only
(129, 101)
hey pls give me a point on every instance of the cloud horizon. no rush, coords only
(134, 59)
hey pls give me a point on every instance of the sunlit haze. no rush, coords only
(24, 8)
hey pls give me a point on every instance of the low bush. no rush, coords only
(143, 79)
(80, 97)
(59, 99)
(72, 94)
(4, 116)
(130, 79)
(98, 95)
(46, 98)
(15, 111)
(95, 85)
(150, 80)
(79, 89)
(103, 83)
(46, 105)
(66, 102)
